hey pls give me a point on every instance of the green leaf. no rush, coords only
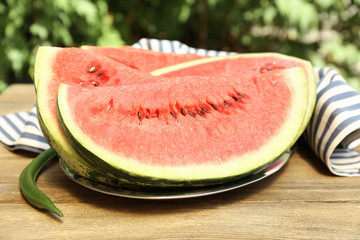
(64, 5)
(3, 85)
(269, 15)
(341, 53)
(17, 58)
(300, 13)
(86, 9)
(39, 30)
(110, 37)
(2, 8)
(325, 4)
(184, 13)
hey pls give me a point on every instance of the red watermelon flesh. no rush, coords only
(142, 59)
(234, 65)
(78, 66)
(148, 118)
(243, 66)
(186, 128)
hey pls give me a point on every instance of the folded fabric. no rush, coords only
(334, 129)
(21, 131)
(333, 132)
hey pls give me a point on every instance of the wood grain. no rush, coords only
(302, 201)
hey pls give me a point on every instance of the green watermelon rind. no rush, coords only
(77, 164)
(204, 174)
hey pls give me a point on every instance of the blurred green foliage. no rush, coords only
(326, 32)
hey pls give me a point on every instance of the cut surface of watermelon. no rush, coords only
(244, 65)
(188, 128)
(142, 59)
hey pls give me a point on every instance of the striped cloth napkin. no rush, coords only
(333, 132)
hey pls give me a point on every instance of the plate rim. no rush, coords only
(267, 170)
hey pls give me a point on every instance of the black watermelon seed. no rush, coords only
(190, 113)
(182, 111)
(213, 106)
(173, 114)
(236, 99)
(199, 113)
(226, 103)
(204, 109)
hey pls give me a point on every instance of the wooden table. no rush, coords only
(302, 201)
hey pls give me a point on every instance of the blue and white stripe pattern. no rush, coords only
(22, 131)
(175, 47)
(334, 130)
(332, 133)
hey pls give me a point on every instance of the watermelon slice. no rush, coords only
(185, 130)
(87, 69)
(142, 59)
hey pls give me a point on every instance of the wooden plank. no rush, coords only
(17, 97)
(232, 220)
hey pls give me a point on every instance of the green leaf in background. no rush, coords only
(109, 36)
(299, 13)
(327, 32)
(85, 9)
